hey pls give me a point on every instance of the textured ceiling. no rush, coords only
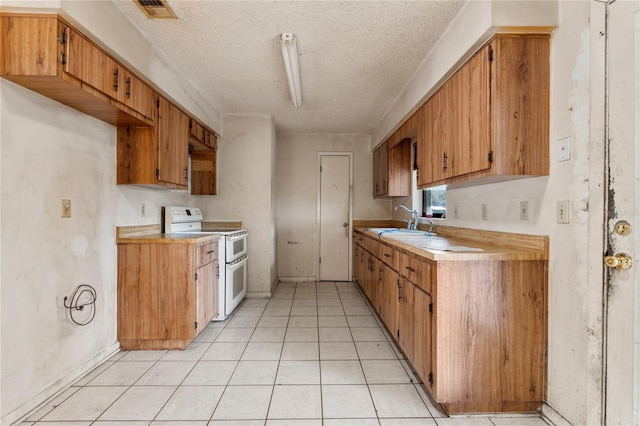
(355, 56)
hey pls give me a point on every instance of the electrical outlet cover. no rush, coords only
(524, 210)
(564, 152)
(562, 211)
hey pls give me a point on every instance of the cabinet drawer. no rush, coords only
(417, 270)
(389, 256)
(422, 273)
(375, 247)
(206, 253)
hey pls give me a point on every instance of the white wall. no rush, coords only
(246, 171)
(297, 187)
(50, 152)
(575, 272)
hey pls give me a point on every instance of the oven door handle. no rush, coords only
(236, 237)
(237, 261)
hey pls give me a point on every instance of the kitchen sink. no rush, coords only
(400, 232)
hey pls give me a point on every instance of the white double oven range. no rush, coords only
(232, 254)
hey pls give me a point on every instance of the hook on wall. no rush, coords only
(82, 304)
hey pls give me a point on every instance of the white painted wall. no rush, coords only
(50, 152)
(575, 272)
(248, 192)
(297, 198)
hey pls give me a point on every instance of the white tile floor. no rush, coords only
(314, 354)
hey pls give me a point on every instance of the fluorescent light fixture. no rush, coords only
(290, 55)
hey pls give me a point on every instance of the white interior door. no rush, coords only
(622, 393)
(334, 199)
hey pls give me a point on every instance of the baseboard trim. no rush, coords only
(551, 416)
(59, 386)
(297, 279)
(258, 294)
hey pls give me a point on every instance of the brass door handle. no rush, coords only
(621, 261)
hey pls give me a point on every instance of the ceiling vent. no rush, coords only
(156, 9)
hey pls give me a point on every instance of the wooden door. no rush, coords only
(135, 94)
(204, 295)
(390, 300)
(473, 143)
(622, 304)
(422, 309)
(91, 65)
(380, 172)
(430, 145)
(173, 144)
(466, 118)
(334, 201)
(406, 319)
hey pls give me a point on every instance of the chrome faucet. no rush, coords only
(430, 226)
(410, 224)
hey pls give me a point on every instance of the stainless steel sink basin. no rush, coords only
(393, 232)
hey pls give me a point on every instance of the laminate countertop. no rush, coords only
(470, 245)
(150, 234)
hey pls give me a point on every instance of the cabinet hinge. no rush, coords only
(490, 156)
(431, 378)
(320, 169)
(196, 325)
(320, 260)
(431, 307)
(491, 54)
(196, 276)
(398, 333)
(158, 103)
(157, 173)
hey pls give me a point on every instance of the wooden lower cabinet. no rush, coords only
(166, 293)
(474, 331)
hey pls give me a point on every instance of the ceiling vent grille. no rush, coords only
(156, 9)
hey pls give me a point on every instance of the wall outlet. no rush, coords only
(455, 213)
(484, 215)
(143, 210)
(562, 211)
(564, 152)
(66, 209)
(524, 210)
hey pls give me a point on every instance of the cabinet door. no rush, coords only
(90, 64)
(173, 144)
(406, 319)
(389, 299)
(380, 170)
(135, 94)
(205, 295)
(431, 156)
(466, 118)
(422, 313)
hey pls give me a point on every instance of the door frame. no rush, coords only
(613, 243)
(319, 156)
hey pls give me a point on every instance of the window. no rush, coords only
(434, 202)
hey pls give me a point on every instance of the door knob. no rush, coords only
(621, 261)
(344, 225)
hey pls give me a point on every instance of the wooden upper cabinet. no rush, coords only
(490, 120)
(392, 170)
(94, 67)
(156, 157)
(45, 54)
(173, 144)
(380, 170)
(430, 152)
